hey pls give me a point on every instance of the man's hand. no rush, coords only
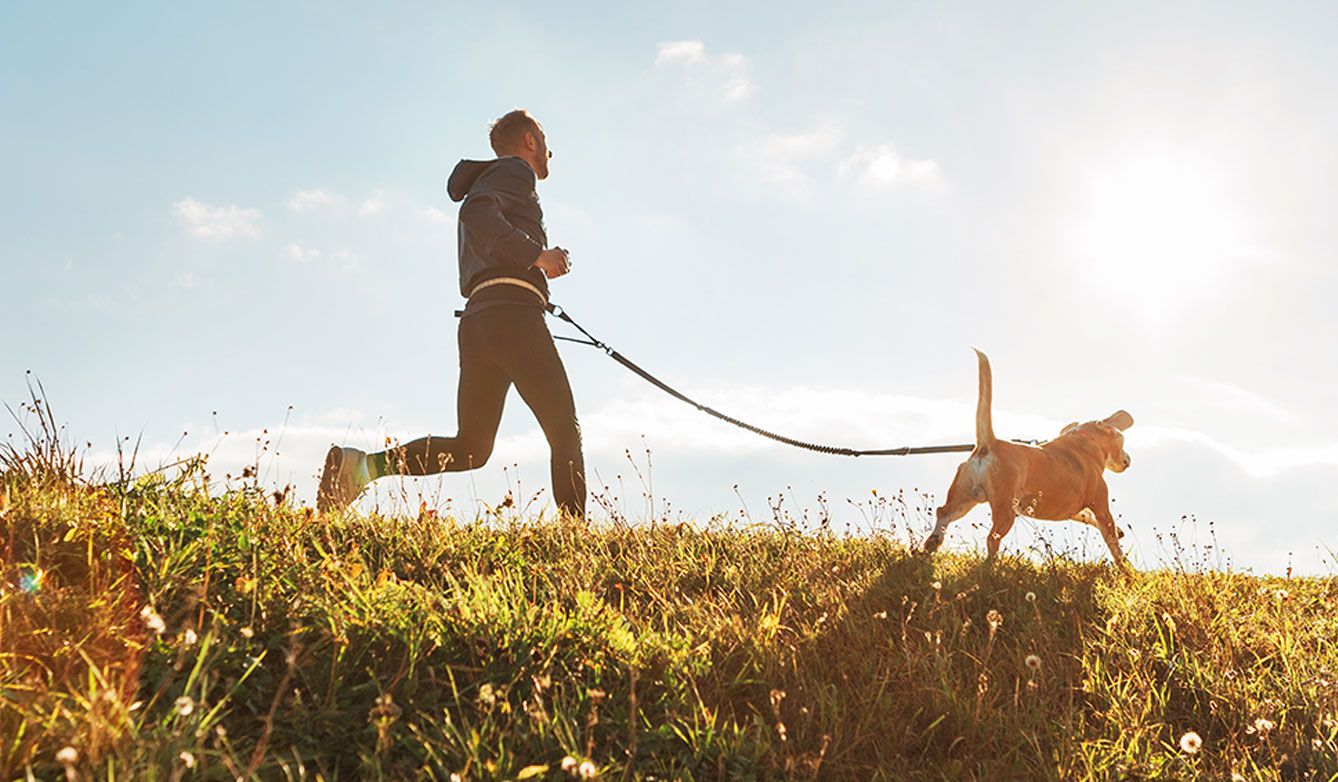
(552, 262)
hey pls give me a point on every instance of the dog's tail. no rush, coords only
(984, 421)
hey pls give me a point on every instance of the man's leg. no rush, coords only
(531, 359)
(479, 400)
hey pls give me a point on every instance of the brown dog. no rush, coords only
(1062, 479)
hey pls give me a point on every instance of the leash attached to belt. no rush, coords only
(828, 449)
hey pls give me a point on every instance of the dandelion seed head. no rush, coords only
(152, 620)
(1191, 742)
(1031, 597)
(1034, 662)
(184, 705)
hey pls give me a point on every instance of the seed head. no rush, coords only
(1191, 743)
(152, 620)
(1034, 662)
(67, 756)
(1031, 597)
(184, 705)
(587, 770)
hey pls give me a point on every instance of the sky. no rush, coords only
(226, 233)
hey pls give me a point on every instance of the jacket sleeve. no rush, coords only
(483, 213)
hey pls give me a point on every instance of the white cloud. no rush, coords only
(783, 157)
(883, 168)
(311, 200)
(301, 254)
(372, 206)
(340, 259)
(1262, 463)
(681, 51)
(206, 221)
(724, 76)
(435, 215)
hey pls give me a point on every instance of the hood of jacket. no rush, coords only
(465, 173)
(463, 176)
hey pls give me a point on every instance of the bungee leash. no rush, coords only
(828, 449)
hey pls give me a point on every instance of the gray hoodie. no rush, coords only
(501, 228)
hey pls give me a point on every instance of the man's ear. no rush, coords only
(1120, 420)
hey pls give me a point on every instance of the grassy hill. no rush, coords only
(151, 629)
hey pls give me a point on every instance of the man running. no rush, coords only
(505, 265)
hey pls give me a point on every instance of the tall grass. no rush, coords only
(155, 629)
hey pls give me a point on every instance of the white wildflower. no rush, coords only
(1191, 743)
(152, 620)
(184, 705)
(68, 756)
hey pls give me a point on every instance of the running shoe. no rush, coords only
(343, 479)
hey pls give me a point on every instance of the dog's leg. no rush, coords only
(1112, 534)
(1086, 516)
(958, 503)
(1002, 514)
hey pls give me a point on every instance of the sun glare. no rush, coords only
(1155, 231)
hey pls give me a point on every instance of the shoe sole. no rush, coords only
(326, 498)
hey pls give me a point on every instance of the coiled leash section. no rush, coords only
(828, 449)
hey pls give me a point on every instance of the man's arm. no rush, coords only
(481, 213)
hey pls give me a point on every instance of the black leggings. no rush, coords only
(501, 345)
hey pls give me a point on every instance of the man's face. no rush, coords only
(541, 153)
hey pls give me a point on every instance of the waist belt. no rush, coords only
(511, 281)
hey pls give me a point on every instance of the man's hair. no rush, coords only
(508, 131)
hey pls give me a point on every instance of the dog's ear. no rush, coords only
(1069, 428)
(1120, 420)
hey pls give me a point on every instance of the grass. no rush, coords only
(155, 629)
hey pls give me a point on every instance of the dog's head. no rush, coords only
(1109, 434)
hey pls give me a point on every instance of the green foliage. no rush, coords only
(164, 632)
